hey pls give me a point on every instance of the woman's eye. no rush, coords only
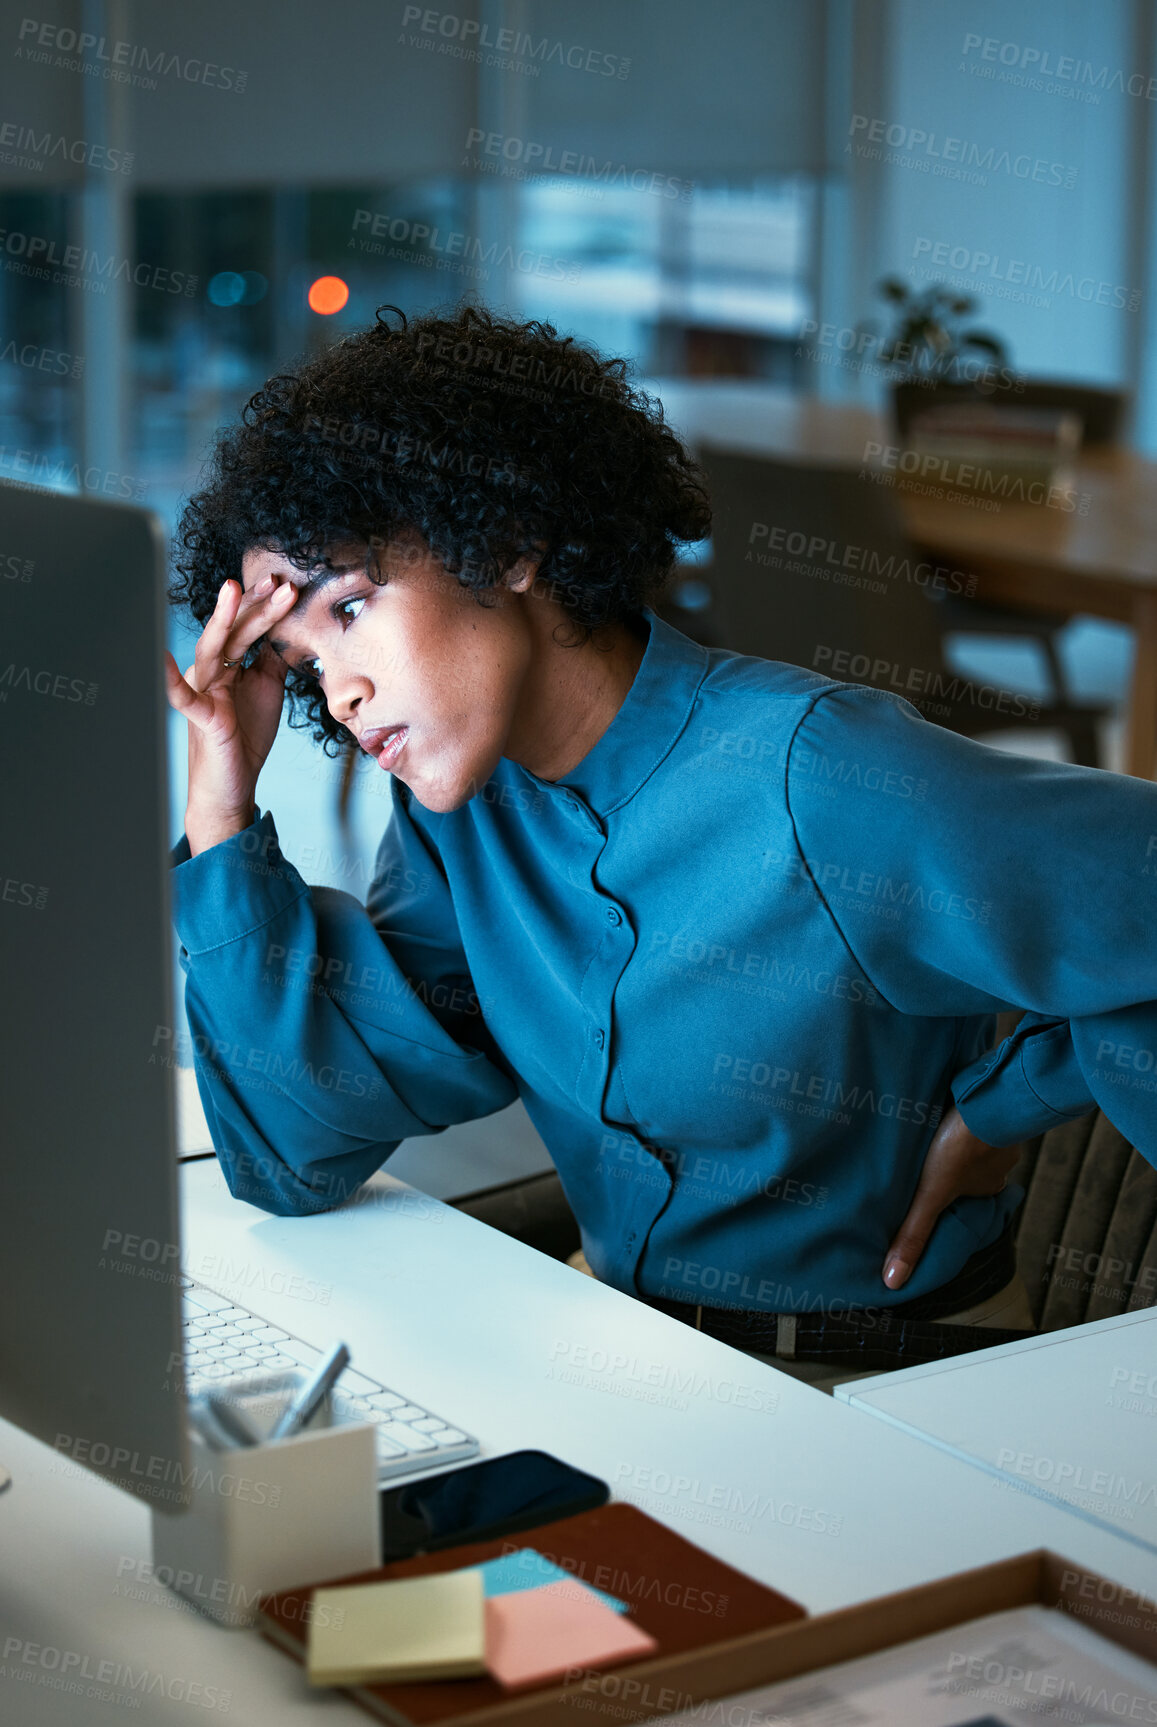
(345, 612)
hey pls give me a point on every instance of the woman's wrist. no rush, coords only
(206, 828)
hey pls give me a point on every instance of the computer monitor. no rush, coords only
(90, 1316)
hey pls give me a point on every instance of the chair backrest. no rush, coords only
(1103, 411)
(1086, 1236)
(812, 566)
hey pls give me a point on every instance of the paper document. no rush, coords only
(1028, 1665)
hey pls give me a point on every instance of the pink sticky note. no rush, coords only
(536, 1634)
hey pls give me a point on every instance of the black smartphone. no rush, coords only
(482, 1500)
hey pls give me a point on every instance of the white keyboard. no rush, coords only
(223, 1341)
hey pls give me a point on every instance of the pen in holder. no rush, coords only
(271, 1515)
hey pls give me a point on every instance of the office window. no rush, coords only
(701, 281)
(709, 281)
(40, 361)
(196, 359)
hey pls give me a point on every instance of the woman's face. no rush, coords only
(425, 678)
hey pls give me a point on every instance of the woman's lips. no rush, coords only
(385, 744)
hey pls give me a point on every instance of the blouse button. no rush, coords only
(600, 1038)
(614, 916)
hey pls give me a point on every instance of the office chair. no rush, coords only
(1086, 1235)
(807, 609)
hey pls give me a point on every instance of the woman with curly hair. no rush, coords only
(774, 1115)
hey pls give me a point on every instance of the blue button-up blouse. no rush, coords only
(737, 964)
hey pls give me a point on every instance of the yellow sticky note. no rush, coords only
(414, 1628)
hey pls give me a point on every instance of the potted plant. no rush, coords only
(932, 355)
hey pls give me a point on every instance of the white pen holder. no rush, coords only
(271, 1516)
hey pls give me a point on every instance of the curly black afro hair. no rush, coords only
(486, 437)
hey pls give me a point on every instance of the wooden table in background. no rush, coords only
(1099, 559)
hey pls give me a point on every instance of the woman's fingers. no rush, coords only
(256, 614)
(210, 648)
(181, 693)
(956, 1163)
(237, 621)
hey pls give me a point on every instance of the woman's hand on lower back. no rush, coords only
(957, 1164)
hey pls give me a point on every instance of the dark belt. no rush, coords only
(872, 1339)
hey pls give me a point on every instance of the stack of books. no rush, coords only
(1013, 455)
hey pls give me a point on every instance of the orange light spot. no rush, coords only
(328, 294)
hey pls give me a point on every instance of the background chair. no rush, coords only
(1104, 414)
(802, 608)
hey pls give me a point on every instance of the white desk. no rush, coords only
(825, 1503)
(1070, 1416)
(466, 1158)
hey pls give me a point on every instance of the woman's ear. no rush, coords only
(519, 578)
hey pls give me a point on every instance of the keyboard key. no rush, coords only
(270, 1334)
(226, 1334)
(450, 1437)
(386, 1448)
(406, 1437)
(207, 1301)
(409, 1412)
(250, 1323)
(430, 1425)
(386, 1400)
(358, 1383)
(277, 1361)
(303, 1353)
(260, 1351)
(353, 1408)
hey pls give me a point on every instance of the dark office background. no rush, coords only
(714, 192)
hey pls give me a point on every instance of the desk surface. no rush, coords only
(1070, 1415)
(1108, 543)
(807, 1493)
